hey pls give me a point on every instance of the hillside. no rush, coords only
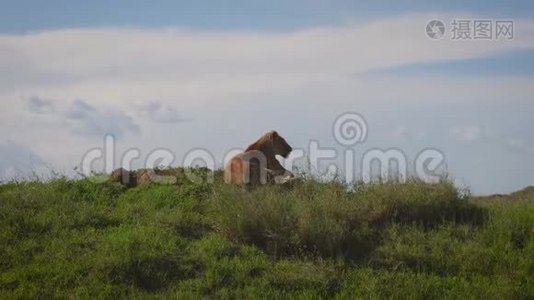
(79, 239)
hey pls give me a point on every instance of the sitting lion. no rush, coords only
(258, 164)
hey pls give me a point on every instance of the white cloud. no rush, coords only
(190, 57)
(17, 160)
(85, 120)
(157, 112)
(516, 143)
(467, 133)
(40, 106)
(408, 134)
(400, 132)
(82, 118)
(519, 144)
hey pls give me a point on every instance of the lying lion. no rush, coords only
(160, 176)
(142, 176)
(258, 164)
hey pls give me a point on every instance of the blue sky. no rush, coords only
(517, 63)
(182, 75)
(24, 16)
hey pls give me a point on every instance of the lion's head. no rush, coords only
(280, 146)
(273, 141)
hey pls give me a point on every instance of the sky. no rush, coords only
(189, 75)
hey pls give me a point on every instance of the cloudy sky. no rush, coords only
(183, 75)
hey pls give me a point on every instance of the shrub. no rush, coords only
(326, 219)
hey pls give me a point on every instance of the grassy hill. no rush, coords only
(79, 239)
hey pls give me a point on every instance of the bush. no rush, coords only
(326, 219)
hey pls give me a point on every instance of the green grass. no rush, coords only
(78, 239)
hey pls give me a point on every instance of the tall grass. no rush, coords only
(79, 239)
(327, 220)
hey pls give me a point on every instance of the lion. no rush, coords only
(258, 164)
(147, 176)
